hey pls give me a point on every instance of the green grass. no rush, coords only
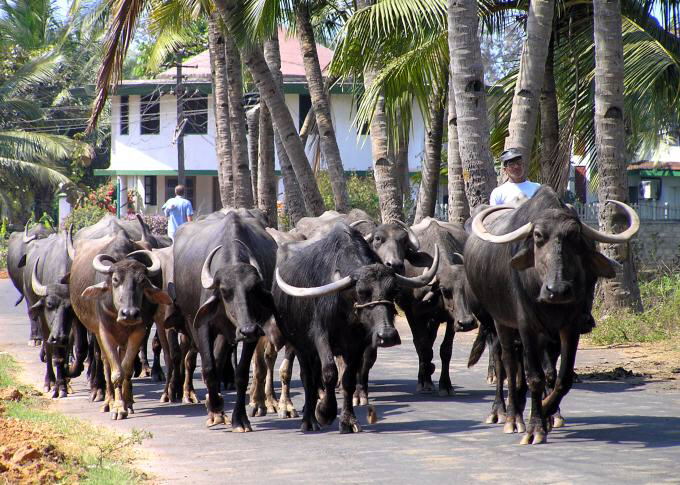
(93, 455)
(659, 321)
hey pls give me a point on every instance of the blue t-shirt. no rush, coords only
(177, 209)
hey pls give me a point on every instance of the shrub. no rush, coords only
(84, 216)
(360, 189)
(3, 252)
(156, 222)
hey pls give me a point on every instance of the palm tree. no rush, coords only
(550, 123)
(621, 291)
(266, 179)
(459, 210)
(253, 122)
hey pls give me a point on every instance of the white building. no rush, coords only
(144, 122)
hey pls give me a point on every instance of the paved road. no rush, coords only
(616, 432)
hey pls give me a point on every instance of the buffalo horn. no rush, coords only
(480, 231)
(423, 279)
(207, 280)
(356, 223)
(27, 239)
(317, 291)
(70, 249)
(155, 267)
(38, 288)
(412, 238)
(98, 263)
(634, 226)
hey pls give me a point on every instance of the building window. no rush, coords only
(124, 115)
(304, 105)
(196, 114)
(171, 183)
(150, 193)
(150, 114)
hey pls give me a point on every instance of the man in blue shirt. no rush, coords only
(178, 211)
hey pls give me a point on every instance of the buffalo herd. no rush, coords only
(325, 293)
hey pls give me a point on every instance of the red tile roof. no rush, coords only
(650, 165)
(291, 61)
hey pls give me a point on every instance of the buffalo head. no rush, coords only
(394, 243)
(450, 283)
(128, 282)
(54, 304)
(560, 248)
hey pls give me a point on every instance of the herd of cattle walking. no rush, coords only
(325, 292)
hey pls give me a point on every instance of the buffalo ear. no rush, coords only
(273, 333)
(171, 290)
(419, 259)
(65, 280)
(173, 318)
(524, 259)
(35, 309)
(157, 296)
(95, 291)
(22, 261)
(206, 312)
(603, 266)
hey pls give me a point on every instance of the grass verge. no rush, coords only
(660, 319)
(41, 446)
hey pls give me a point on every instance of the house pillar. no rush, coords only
(121, 183)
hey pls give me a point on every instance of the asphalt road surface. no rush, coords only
(616, 432)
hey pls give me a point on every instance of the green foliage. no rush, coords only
(659, 321)
(361, 191)
(85, 216)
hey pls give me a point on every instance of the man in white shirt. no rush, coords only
(517, 189)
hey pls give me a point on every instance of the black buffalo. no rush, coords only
(335, 298)
(533, 269)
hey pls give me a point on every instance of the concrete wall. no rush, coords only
(658, 242)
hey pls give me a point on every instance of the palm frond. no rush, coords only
(38, 174)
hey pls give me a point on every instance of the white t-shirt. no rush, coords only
(512, 193)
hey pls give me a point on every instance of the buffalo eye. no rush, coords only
(115, 280)
(227, 293)
(50, 305)
(448, 294)
(539, 239)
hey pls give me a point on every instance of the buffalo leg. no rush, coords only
(239, 417)
(80, 349)
(257, 404)
(50, 379)
(348, 420)
(307, 373)
(214, 401)
(136, 338)
(95, 371)
(228, 380)
(569, 338)
(514, 421)
(492, 369)
(156, 369)
(445, 352)
(537, 428)
(143, 355)
(420, 331)
(59, 357)
(270, 399)
(368, 359)
(498, 411)
(286, 408)
(327, 408)
(35, 337)
(187, 368)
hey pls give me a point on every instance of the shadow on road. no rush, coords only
(649, 431)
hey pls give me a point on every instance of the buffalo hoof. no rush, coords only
(34, 342)
(445, 390)
(106, 407)
(326, 412)
(157, 375)
(372, 416)
(557, 421)
(349, 424)
(534, 439)
(215, 418)
(164, 397)
(258, 411)
(494, 418)
(491, 380)
(514, 424)
(69, 388)
(310, 425)
(118, 411)
(286, 409)
(425, 388)
(240, 423)
(47, 388)
(146, 370)
(190, 398)
(272, 405)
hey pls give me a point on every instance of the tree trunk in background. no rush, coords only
(253, 57)
(524, 115)
(294, 202)
(253, 120)
(470, 95)
(218, 69)
(385, 169)
(621, 291)
(550, 127)
(427, 196)
(459, 210)
(243, 191)
(401, 158)
(266, 178)
(321, 107)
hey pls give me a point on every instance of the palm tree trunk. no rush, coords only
(622, 290)
(550, 126)
(524, 115)
(253, 120)
(243, 191)
(384, 165)
(427, 196)
(321, 107)
(254, 59)
(294, 202)
(459, 210)
(266, 178)
(401, 158)
(468, 82)
(218, 68)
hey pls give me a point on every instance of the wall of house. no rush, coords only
(657, 243)
(670, 188)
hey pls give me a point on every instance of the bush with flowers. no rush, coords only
(91, 207)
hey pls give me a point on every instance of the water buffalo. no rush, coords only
(116, 303)
(533, 269)
(223, 291)
(16, 262)
(336, 299)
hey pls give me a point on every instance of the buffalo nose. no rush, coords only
(249, 330)
(388, 337)
(561, 292)
(559, 289)
(397, 266)
(130, 313)
(465, 325)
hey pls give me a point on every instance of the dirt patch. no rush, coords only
(3, 274)
(649, 361)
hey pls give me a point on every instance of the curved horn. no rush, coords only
(207, 280)
(155, 267)
(70, 249)
(412, 238)
(423, 279)
(98, 263)
(480, 231)
(356, 223)
(251, 259)
(317, 291)
(634, 226)
(27, 239)
(38, 288)
(143, 226)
